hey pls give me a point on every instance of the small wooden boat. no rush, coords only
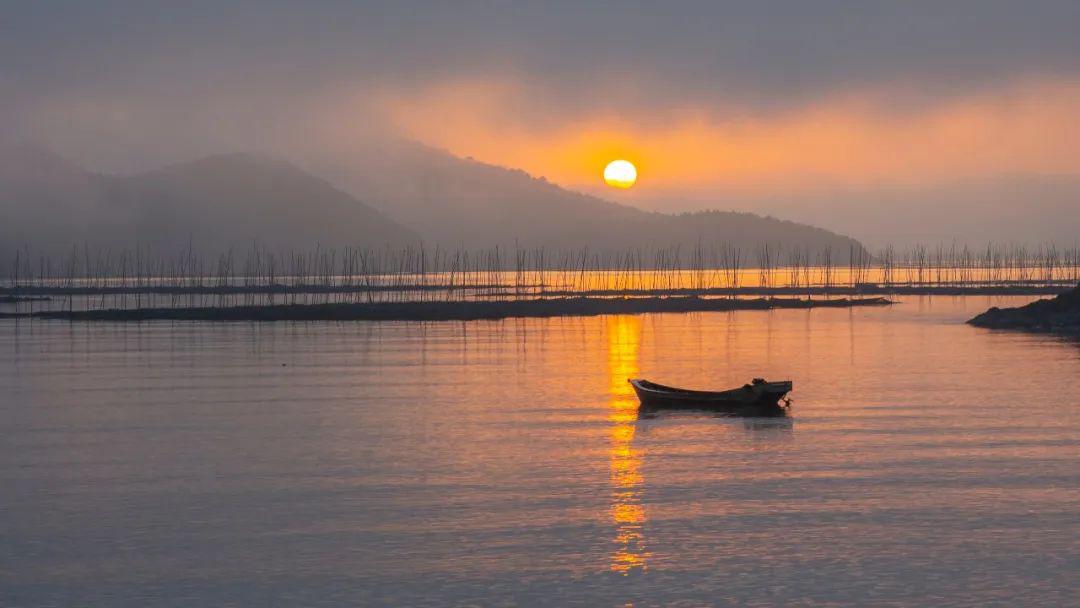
(759, 398)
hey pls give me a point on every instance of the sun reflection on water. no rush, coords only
(627, 512)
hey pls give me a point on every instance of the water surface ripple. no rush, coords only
(927, 463)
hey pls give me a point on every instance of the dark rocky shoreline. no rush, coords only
(450, 311)
(1054, 315)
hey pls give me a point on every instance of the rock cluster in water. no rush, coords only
(1058, 315)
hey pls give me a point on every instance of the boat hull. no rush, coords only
(759, 399)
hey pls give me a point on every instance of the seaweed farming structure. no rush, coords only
(136, 279)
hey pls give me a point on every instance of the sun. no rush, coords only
(620, 174)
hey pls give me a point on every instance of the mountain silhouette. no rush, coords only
(453, 201)
(214, 204)
(411, 193)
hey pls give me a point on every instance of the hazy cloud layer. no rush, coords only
(710, 97)
(761, 51)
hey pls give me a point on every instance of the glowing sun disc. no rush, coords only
(620, 174)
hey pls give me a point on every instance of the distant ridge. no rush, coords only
(452, 201)
(214, 203)
(413, 193)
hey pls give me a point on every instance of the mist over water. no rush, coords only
(926, 462)
(840, 185)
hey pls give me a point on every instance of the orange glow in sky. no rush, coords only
(850, 140)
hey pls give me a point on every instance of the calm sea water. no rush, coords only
(927, 463)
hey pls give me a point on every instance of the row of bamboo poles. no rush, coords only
(137, 278)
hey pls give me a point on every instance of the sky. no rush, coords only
(823, 111)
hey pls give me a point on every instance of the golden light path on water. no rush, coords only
(627, 511)
(502, 463)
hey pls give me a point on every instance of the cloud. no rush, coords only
(765, 51)
(852, 139)
(736, 101)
